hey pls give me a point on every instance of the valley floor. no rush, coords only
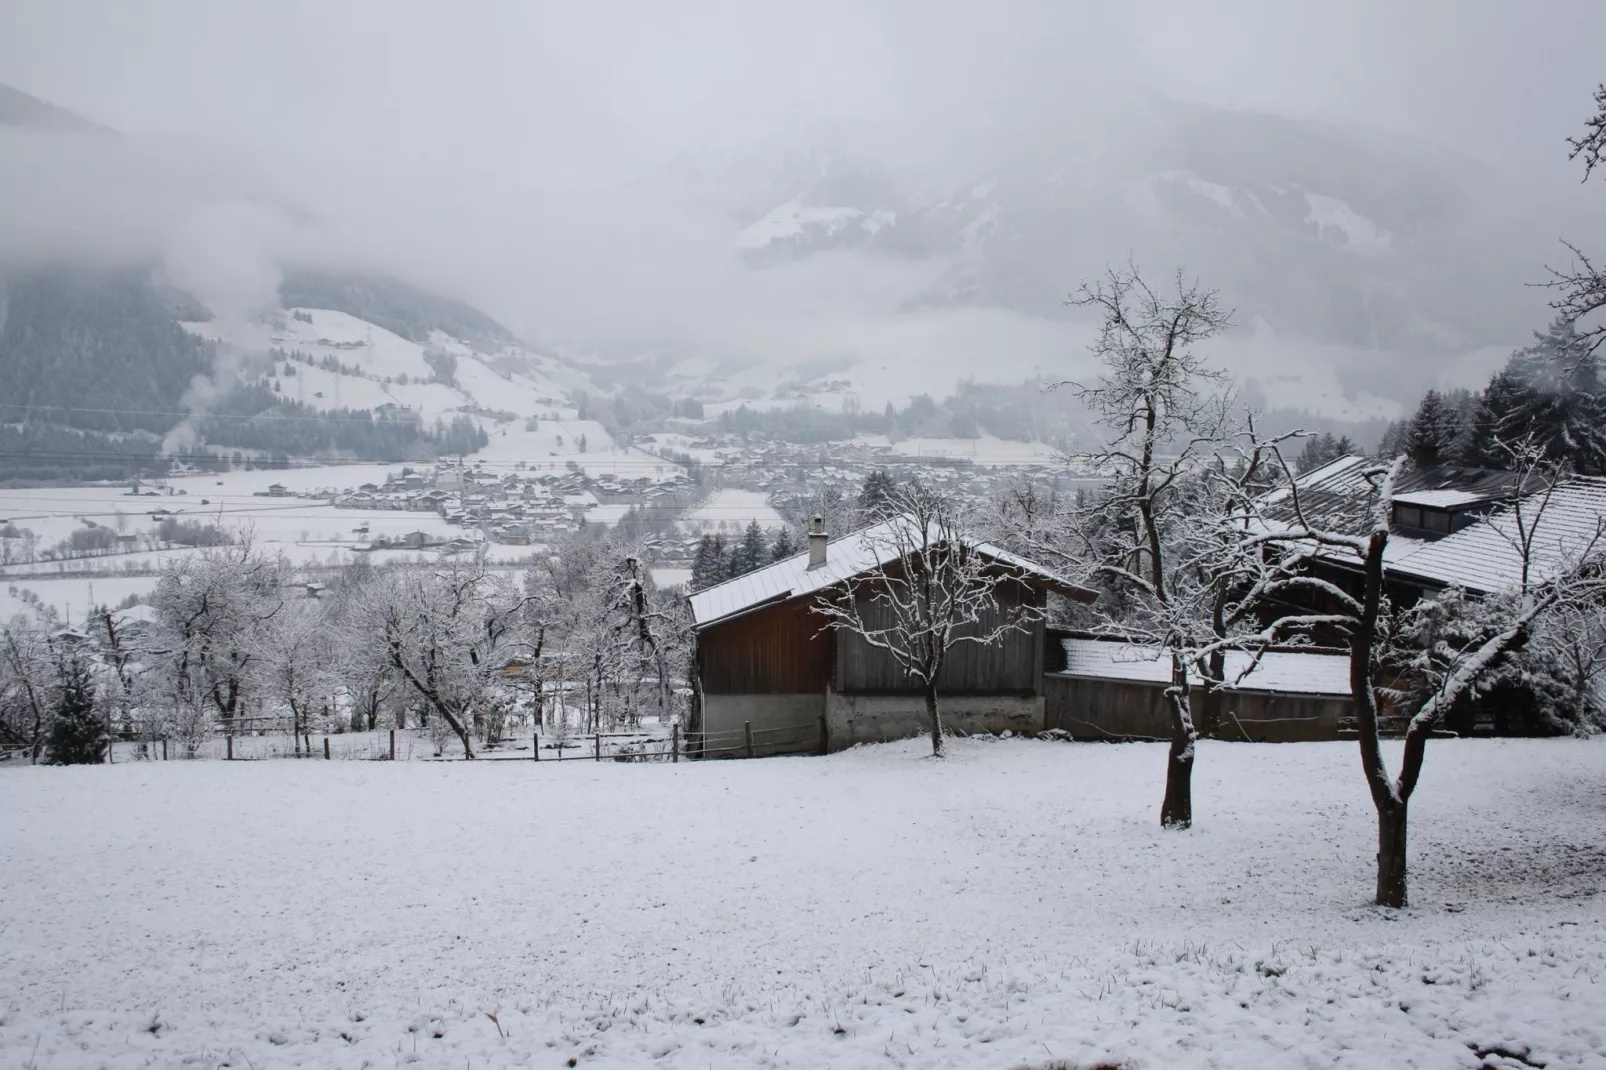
(1016, 905)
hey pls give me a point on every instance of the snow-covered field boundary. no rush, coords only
(1014, 906)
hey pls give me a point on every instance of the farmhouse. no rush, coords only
(766, 660)
(1470, 528)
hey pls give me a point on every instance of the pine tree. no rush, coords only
(783, 547)
(1563, 401)
(749, 553)
(1502, 399)
(705, 570)
(77, 734)
(1433, 429)
(1394, 439)
(1323, 449)
(873, 497)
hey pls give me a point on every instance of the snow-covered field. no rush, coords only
(1014, 906)
(730, 510)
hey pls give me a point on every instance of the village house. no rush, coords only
(767, 662)
(1450, 526)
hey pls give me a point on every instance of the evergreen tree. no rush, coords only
(1324, 449)
(783, 547)
(1502, 399)
(1563, 401)
(77, 734)
(749, 553)
(1394, 439)
(873, 497)
(1433, 429)
(704, 566)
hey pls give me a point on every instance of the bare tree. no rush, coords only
(211, 608)
(296, 662)
(1164, 411)
(26, 700)
(932, 590)
(1582, 284)
(446, 632)
(1365, 620)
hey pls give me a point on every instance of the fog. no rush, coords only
(584, 171)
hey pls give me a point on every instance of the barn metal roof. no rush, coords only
(1283, 672)
(1485, 556)
(846, 557)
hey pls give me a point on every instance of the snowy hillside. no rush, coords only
(327, 360)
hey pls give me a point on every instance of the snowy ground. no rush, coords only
(730, 510)
(1014, 906)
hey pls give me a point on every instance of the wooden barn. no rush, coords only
(774, 678)
(1105, 689)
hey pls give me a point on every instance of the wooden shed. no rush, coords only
(769, 665)
(1106, 689)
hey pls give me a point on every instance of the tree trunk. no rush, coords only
(1177, 809)
(1391, 823)
(936, 720)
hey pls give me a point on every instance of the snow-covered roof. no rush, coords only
(1440, 499)
(1284, 672)
(1486, 556)
(846, 557)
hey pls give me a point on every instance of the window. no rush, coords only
(1436, 521)
(1408, 516)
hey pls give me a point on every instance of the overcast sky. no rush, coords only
(443, 121)
(574, 88)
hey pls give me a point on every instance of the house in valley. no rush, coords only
(768, 662)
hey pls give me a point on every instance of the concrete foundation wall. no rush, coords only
(878, 718)
(782, 724)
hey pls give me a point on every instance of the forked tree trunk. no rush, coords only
(1391, 825)
(936, 720)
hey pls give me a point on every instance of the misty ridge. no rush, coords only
(852, 257)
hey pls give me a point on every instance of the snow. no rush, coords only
(730, 510)
(846, 557)
(1440, 499)
(1015, 905)
(1337, 220)
(1283, 672)
(1223, 197)
(665, 578)
(794, 218)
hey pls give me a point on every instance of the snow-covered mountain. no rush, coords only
(1394, 256)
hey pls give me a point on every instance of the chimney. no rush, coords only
(817, 540)
(1425, 455)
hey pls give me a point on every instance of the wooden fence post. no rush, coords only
(747, 730)
(535, 747)
(231, 747)
(164, 748)
(674, 743)
(326, 755)
(393, 744)
(599, 746)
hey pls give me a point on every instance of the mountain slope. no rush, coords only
(19, 109)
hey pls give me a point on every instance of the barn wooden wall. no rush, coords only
(1120, 709)
(774, 651)
(1013, 664)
